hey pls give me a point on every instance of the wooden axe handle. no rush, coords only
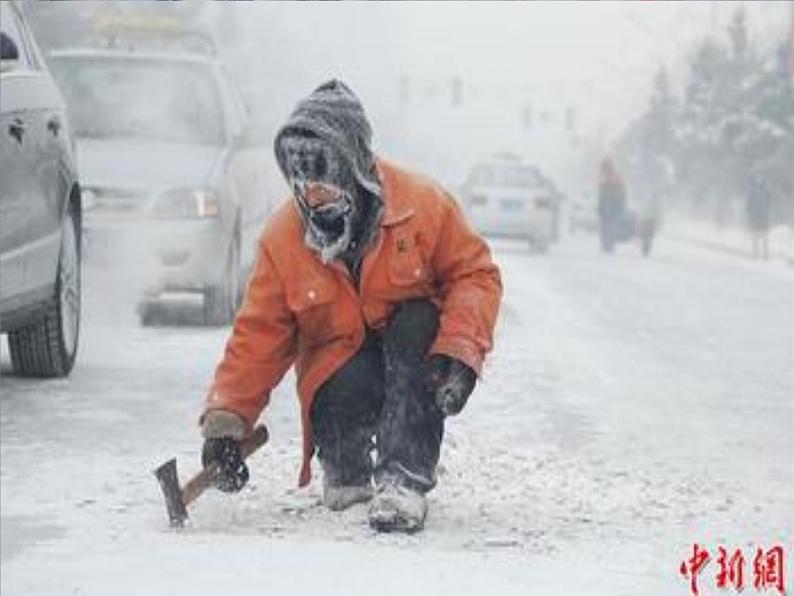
(204, 479)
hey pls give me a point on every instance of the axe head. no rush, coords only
(169, 482)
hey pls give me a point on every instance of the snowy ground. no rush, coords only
(632, 407)
(734, 238)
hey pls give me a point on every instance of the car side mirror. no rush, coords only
(9, 53)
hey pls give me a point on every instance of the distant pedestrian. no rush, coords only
(611, 204)
(758, 203)
(653, 181)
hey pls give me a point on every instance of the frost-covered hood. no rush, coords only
(335, 114)
(136, 164)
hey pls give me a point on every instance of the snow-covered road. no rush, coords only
(632, 407)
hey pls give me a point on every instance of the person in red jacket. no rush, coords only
(611, 204)
(371, 282)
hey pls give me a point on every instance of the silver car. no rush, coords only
(504, 197)
(40, 210)
(173, 176)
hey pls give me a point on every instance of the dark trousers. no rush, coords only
(380, 394)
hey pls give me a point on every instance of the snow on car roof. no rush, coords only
(127, 53)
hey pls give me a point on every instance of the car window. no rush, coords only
(11, 27)
(33, 54)
(482, 175)
(170, 101)
(521, 176)
(512, 175)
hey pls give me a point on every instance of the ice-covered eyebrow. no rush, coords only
(303, 144)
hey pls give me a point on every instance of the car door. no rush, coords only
(29, 199)
(17, 157)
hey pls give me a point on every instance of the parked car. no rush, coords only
(505, 197)
(171, 168)
(40, 210)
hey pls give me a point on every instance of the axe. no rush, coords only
(178, 498)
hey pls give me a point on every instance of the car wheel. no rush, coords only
(48, 347)
(221, 301)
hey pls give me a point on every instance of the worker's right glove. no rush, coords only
(232, 471)
(223, 431)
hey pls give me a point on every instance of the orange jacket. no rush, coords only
(297, 310)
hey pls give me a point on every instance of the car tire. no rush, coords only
(48, 347)
(221, 301)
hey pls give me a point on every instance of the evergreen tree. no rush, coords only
(700, 161)
(736, 117)
(738, 33)
(661, 114)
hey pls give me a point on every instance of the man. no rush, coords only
(757, 204)
(371, 282)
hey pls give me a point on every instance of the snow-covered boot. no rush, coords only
(339, 497)
(397, 508)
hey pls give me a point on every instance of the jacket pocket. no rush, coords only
(406, 266)
(312, 302)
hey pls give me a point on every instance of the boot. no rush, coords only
(339, 497)
(397, 508)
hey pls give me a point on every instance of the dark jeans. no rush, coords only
(380, 393)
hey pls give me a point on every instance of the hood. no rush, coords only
(141, 165)
(335, 114)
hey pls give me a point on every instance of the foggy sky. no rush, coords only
(597, 58)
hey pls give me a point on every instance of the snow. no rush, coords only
(631, 408)
(732, 237)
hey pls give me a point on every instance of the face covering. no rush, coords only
(326, 206)
(323, 187)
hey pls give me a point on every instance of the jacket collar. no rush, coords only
(397, 209)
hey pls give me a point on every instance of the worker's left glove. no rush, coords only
(450, 382)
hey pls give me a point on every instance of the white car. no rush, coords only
(504, 197)
(172, 171)
(40, 210)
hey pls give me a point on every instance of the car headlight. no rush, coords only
(88, 198)
(187, 202)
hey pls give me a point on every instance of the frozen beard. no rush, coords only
(325, 189)
(329, 227)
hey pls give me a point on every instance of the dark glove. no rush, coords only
(450, 382)
(232, 473)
